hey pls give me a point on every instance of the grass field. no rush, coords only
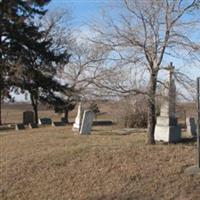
(54, 164)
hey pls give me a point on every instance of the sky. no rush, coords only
(83, 11)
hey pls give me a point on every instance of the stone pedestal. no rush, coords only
(167, 133)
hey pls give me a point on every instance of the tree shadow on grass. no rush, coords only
(188, 141)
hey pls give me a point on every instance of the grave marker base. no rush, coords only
(192, 170)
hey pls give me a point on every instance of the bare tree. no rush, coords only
(146, 35)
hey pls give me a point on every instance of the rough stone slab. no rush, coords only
(19, 127)
(86, 125)
(171, 134)
(193, 170)
(45, 121)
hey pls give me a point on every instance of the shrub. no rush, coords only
(132, 112)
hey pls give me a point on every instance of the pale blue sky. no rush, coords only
(82, 10)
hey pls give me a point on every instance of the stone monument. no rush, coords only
(28, 117)
(191, 126)
(86, 125)
(77, 123)
(167, 129)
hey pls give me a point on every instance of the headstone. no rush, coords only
(45, 121)
(167, 129)
(77, 123)
(19, 127)
(191, 126)
(86, 125)
(33, 125)
(28, 117)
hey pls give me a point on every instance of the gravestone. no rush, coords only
(45, 121)
(77, 123)
(33, 125)
(19, 127)
(86, 125)
(167, 129)
(191, 126)
(28, 117)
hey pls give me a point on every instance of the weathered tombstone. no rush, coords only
(45, 121)
(33, 125)
(86, 125)
(19, 127)
(28, 117)
(191, 126)
(167, 129)
(77, 123)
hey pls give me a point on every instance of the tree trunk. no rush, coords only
(66, 116)
(35, 109)
(151, 109)
(34, 103)
(0, 107)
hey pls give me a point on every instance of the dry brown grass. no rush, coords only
(54, 164)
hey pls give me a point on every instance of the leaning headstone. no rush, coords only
(86, 125)
(19, 127)
(33, 125)
(45, 121)
(77, 123)
(191, 126)
(167, 129)
(28, 117)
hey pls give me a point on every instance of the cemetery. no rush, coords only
(104, 104)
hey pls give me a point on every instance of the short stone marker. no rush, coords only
(54, 124)
(19, 127)
(191, 126)
(86, 125)
(33, 125)
(45, 121)
(77, 123)
(28, 117)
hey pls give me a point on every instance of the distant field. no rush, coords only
(54, 164)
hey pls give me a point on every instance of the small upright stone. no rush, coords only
(77, 123)
(167, 129)
(19, 127)
(32, 125)
(191, 126)
(86, 125)
(45, 121)
(28, 117)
